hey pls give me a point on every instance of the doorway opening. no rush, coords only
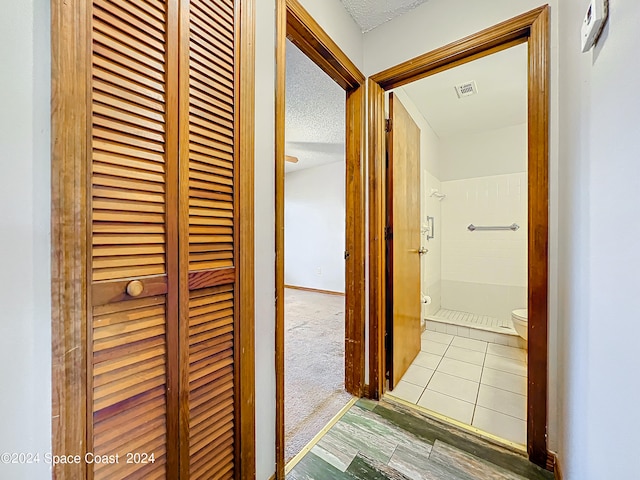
(294, 24)
(314, 274)
(532, 29)
(471, 226)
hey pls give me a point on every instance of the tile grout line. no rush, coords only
(475, 405)
(507, 358)
(434, 372)
(483, 367)
(502, 413)
(455, 398)
(392, 454)
(458, 376)
(500, 388)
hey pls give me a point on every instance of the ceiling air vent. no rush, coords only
(466, 89)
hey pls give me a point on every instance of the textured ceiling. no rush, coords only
(315, 114)
(501, 100)
(368, 14)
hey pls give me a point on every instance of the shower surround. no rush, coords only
(484, 272)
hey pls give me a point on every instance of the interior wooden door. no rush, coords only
(403, 210)
(208, 226)
(163, 216)
(133, 349)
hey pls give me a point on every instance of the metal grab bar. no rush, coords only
(513, 227)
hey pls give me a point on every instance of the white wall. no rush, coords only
(484, 177)
(485, 272)
(339, 25)
(331, 15)
(314, 233)
(25, 275)
(483, 154)
(438, 22)
(600, 260)
(264, 218)
(429, 141)
(434, 24)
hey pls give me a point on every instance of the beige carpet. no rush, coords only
(314, 365)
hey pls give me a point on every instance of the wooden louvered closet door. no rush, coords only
(209, 246)
(161, 338)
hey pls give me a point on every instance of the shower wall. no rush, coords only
(484, 272)
(430, 268)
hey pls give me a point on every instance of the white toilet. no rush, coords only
(519, 319)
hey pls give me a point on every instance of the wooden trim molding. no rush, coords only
(173, 195)
(355, 322)
(552, 461)
(556, 466)
(538, 250)
(295, 23)
(377, 247)
(499, 37)
(281, 51)
(183, 243)
(311, 38)
(245, 281)
(315, 290)
(531, 27)
(365, 390)
(70, 103)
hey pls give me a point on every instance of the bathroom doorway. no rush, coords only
(471, 227)
(530, 32)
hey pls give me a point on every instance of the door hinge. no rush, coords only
(346, 254)
(387, 232)
(387, 348)
(388, 125)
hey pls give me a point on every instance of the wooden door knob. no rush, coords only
(135, 288)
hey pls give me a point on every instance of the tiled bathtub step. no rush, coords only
(510, 338)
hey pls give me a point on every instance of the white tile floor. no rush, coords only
(475, 382)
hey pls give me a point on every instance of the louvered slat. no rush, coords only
(129, 378)
(211, 240)
(211, 137)
(128, 138)
(211, 383)
(129, 338)
(211, 237)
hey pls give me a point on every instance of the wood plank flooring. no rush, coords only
(387, 441)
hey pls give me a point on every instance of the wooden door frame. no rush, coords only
(296, 24)
(531, 27)
(70, 230)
